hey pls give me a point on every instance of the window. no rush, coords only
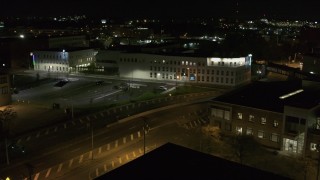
(313, 146)
(5, 90)
(274, 137)
(239, 115)
(228, 127)
(238, 130)
(263, 120)
(217, 113)
(251, 118)
(227, 115)
(260, 134)
(275, 123)
(249, 131)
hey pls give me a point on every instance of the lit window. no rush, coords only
(238, 130)
(260, 134)
(313, 147)
(251, 118)
(249, 131)
(274, 137)
(239, 115)
(263, 120)
(275, 123)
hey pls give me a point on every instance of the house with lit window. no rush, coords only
(281, 115)
(63, 60)
(178, 67)
(5, 92)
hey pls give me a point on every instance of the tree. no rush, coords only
(6, 117)
(243, 145)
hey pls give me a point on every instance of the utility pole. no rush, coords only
(145, 125)
(91, 124)
(7, 153)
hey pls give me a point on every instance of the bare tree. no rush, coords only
(6, 117)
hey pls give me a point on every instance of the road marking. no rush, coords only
(65, 125)
(112, 163)
(195, 123)
(97, 172)
(55, 129)
(81, 158)
(105, 167)
(38, 134)
(116, 144)
(36, 176)
(70, 163)
(139, 135)
(81, 121)
(60, 167)
(28, 138)
(100, 149)
(88, 118)
(108, 147)
(124, 140)
(48, 172)
(190, 123)
(131, 137)
(19, 141)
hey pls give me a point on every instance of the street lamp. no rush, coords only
(177, 77)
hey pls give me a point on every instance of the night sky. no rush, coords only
(248, 9)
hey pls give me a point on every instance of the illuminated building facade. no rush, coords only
(5, 93)
(180, 68)
(281, 115)
(63, 61)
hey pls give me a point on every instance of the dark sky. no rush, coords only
(248, 9)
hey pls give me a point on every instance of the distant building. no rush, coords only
(5, 91)
(229, 71)
(15, 51)
(63, 60)
(280, 115)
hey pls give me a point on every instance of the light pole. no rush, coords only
(177, 77)
(145, 125)
(91, 124)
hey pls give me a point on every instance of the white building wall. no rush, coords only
(62, 61)
(208, 70)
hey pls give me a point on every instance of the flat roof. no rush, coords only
(266, 95)
(261, 95)
(171, 161)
